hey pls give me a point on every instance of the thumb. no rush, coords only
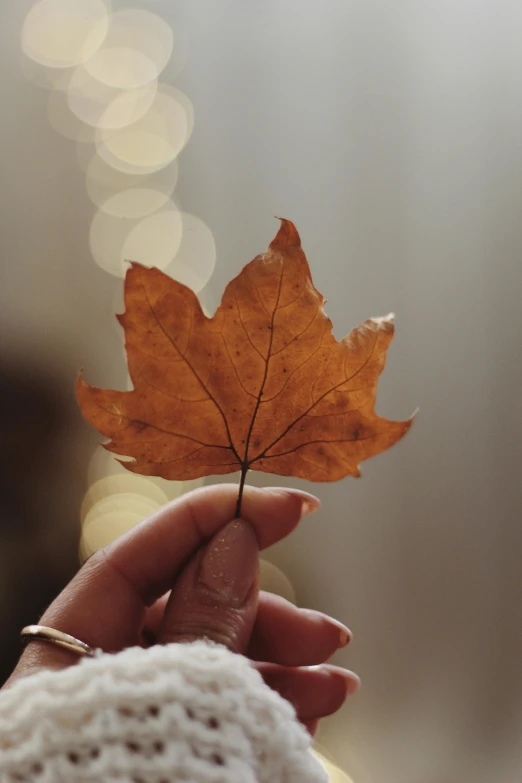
(216, 595)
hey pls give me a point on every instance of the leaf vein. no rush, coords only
(319, 440)
(302, 416)
(167, 335)
(245, 331)
(296, 336)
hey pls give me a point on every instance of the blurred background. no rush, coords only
(390, 133)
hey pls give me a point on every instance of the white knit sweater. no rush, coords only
(190, 713)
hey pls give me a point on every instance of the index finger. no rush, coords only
(105, 603)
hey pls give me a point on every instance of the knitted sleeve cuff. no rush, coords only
(193, 713)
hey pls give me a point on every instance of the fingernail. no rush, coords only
(350, 680)
(345, 635)
(230, 562)
(309, 503)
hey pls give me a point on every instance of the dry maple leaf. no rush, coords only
(262, 385)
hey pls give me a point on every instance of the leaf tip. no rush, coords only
(128, 464)
(385, 319)
(407, 424)
(80, 383)
(287, 237)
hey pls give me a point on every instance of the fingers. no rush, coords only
(106, 603)
(314, 692)
(282, 633)
(216, 595)
(149, 554)
(291, 636)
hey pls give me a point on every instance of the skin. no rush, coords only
(145, 588)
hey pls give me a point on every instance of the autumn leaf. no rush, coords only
(263, 385)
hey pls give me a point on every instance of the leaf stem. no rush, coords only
(244, 471)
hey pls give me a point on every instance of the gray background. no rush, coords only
(391, 134)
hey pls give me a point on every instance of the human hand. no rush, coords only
(188, 572)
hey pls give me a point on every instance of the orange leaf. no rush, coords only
(262, 385)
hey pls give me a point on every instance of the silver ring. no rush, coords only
(59, 638)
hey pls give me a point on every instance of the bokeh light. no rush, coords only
(320, 750)
(118, 499)
(121, 483)
(156, 239)
(104, 107)
(208, 300)
(62, 33)
(273, 580)
(103, 464)
(154, 140)
(152, 241)
(135, 51)
(187, 104)
(129, 195)
(103, 528)
(195, 258)
(101, 71)
(335, 774)
(135, 202)
(107, 238)
(120, 502)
